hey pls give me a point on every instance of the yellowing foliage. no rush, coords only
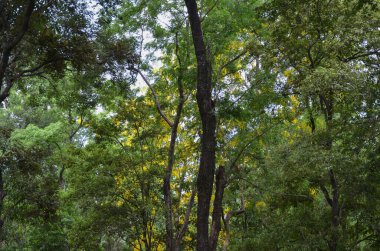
(288, 136)
(294, 101)
(260, 205)
(127, 142)
(313, 192)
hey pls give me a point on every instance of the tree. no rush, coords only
(206, 106)
(319, 80)
(144, 107)
(40, 37)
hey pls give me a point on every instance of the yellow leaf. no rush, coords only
(260, 205)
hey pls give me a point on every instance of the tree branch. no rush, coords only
(359, 55)
(5, 93)
(209, 10)
(231, 61)
(242, 150)
(183, 230)
(326, 194)
(36, 68)
(226, 221)
(24, 27)
(158, 106)
(8, 46)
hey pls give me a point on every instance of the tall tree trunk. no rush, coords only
(206, 109)
(327, 105)
(335, 208)
(217, 212)
(171, 243)
(333, 201)
(2, 196)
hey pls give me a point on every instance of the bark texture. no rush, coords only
(206, 109)
(217, 213)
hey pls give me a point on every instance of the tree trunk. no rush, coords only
(185, 224)
(217, 213)
(2, 196)
(327, 105)
(171, 243)
(226, 221)
(335, 212)
(206, 109)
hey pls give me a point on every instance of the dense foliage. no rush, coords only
(114, 112)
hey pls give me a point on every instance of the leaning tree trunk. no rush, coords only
(171, 243)
(327, 105)
(206, 109)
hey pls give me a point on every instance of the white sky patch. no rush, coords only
(163, 19)
(99, 109)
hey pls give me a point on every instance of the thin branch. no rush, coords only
(239, 211)
(158, 106)
(365, 239)
(177, 51)
(310, 57)
(359, 55)
(78, 128)
(231, 61)
(326, 194)
(226, 220)
(183, 230)
(36, 68)
(209, 10)
(240, 153)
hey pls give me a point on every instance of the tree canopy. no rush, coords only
(189, 125)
